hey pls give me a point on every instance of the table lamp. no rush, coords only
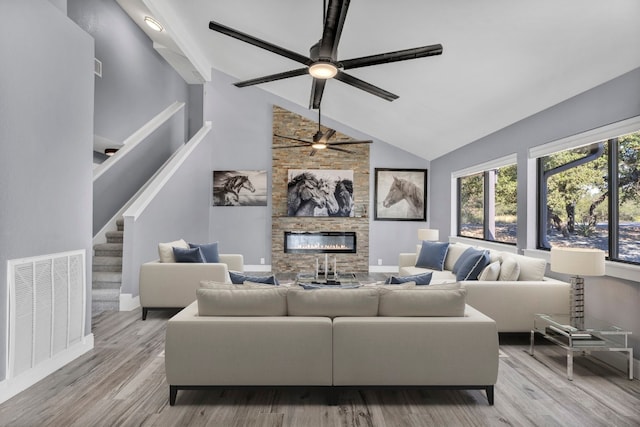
(429, 234)
(577, 262)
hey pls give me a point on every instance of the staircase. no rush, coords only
(107, 271)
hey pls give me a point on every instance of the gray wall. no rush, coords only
(46, 127)
(137, 83)
(129, 173)
(242, 129)
(610, 299)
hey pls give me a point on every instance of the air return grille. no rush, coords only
(46, 308)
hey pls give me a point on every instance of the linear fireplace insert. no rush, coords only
(320, 242)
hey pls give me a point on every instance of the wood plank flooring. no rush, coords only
(122, 383)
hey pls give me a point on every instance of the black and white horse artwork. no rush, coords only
(344, 196)
(307, 194)
(228, 194)
(403, 189)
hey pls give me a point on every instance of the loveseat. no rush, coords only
(510, 290)
(332, 339)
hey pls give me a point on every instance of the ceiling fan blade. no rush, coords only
(385, 58)
(349, 142)
(223, 29)
(328, 134)
(331, 147)
(367, 87)
(336, 15)
(272, 77)
(290, 146)
(317, 88)
(292, 138)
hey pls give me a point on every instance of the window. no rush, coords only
(487, 205)
(590, 197)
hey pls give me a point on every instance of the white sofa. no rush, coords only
(511, 303)
(331, 338)
(166, 285)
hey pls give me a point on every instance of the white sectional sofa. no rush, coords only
(331, 338)
(166, 285)
(511, 303)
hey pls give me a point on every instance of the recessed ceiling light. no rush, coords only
(153, 24)
(110, 151)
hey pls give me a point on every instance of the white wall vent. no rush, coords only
(46, 308)
(97, 67)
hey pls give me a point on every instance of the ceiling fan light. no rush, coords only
(153, 24)
(319, 145)
(323, 70)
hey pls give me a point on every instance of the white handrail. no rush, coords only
(137, 207)
(137, 137)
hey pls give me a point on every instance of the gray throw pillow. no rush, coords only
(471, 263)
(188, 255)
(432, 255)
(209, 251)
(419, 279)
(239, 279)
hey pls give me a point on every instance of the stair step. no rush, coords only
(105, 285)
(107, 276)
(108, 249)
(106, 295)
(114, 236)
(107, 263)
(120, 224)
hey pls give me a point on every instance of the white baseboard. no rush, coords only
(259, 267)
(618, 360)
(383, 269)
(128, 302)
(12, 386)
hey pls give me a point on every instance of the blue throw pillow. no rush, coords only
(472, 265)
(209, 251)
(239, 279)
(188, 255)
(310, 286)
(420, 279)
(432, 255)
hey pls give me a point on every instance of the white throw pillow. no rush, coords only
(509, 270)
(491, 272)
(165, 250)
(531, 268)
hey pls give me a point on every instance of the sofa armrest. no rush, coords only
(174, 284)
(235, 262)
(407, 260)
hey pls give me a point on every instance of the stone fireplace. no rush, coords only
(286, 261)
(321, 242)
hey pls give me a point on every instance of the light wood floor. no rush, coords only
(122, 383)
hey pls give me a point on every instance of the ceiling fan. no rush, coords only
(322, 62)
(320, 141)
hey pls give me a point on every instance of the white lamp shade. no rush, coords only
(430, 234)
(577, 261)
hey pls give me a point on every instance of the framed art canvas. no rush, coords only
(320, 192)
(400, 194)
(240, 188)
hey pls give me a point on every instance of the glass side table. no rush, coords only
(595, 336)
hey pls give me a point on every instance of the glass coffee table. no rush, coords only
(595, 336)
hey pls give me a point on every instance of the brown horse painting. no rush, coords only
(305, 193)
(402, 189)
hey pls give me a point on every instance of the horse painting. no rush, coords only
(344, 196)
(229, 193)
(306, 193)
(402, 189)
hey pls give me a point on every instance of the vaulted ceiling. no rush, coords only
(503, 60)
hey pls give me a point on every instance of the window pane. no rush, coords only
(629, 198)
(577, 199)
(506, 204)
(472, 206)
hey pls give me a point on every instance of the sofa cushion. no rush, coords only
(165, 250)
(422, 302)
(311, 286)
(531, 269)
(209, 251)
(432, 255)
(471, 263)
(239, 279)
(454, 252)
(509, 269)
(419, 279)
(333, 302)
(188, 255)
(491, 272)
(242, 302)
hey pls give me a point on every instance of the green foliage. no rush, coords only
(472, 199)
(507, 191)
